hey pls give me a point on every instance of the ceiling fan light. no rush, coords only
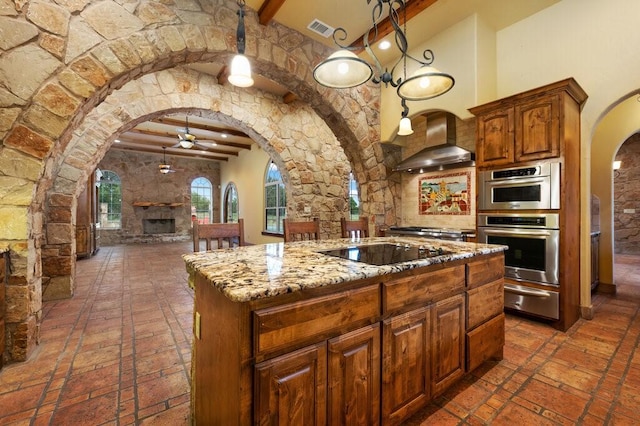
(240, 71)
(426, 83)
(185, 143)
(341, 70)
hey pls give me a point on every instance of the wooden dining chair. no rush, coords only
(299, 231)
(233, 233)
(355, 228)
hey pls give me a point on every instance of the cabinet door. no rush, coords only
(406, 374)
(495, 138)
(354, 378)
(538, 129)
(448, 340)
(291, 389)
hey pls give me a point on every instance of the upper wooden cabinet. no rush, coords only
(526, 127)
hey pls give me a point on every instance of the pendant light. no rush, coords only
(405, 129)
(240, 67)
(344, 69)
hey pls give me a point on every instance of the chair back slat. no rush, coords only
(355, 228)
(299, 231)
(232, 233)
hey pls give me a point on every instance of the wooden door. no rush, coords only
(406, 373)
(448, 342)
(291, 389)
(538, 129)
(495, 133)
(354, 377)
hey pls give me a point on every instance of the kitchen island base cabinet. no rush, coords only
(366, 352)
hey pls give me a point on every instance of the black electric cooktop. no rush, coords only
(385, 254)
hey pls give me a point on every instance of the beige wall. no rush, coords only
(247, 173)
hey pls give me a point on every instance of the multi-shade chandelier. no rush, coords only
(344, 69)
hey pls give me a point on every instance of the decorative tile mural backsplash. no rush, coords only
(445, 194)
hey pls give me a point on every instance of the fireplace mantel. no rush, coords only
(147, 204)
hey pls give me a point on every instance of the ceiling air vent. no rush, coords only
(319, 27)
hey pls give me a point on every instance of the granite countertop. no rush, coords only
(253, 272)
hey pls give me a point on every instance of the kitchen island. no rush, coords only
(287, 333)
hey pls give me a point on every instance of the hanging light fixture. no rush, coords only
(240, 67)
(344, 69)
(405, 128)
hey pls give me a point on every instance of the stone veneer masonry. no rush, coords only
(61, 62)
(142, 181)
(627, 196)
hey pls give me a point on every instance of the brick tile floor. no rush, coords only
(119, 351)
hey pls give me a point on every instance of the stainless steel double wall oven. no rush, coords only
(518, 207)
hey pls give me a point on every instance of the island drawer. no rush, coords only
(485, 342)
(301, 323)
(484, 302)
(485, 270)
(405, 293)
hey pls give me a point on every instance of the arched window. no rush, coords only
(201, 196)
(110, 201)
(354, 198)
(231, 210)
(275, 199)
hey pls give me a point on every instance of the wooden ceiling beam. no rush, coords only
(181, 123)
(169, 138)
(268, 10)
(124, 146)
(154, 144)
(413, 7)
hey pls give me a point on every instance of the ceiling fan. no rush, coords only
(164, 167)
(186, 139)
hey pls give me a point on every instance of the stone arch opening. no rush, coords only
(313, 165)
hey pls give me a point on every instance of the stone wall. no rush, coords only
(60, 61)
(141, 181)
(626, 185)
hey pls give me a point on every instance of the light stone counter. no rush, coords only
(248, 273)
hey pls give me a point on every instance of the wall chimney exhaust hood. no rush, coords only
(444, 153)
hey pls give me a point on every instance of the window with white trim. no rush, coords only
(275, 199)
(231, 209)
(354, 198)
(110, 200)
(201, 200)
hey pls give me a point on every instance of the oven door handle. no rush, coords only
(521, 232)
(528, 292)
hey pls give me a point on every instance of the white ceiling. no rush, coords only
(355, 16)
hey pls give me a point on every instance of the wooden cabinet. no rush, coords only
(86, 235)
(537, 134)
(291, 389)
(366, 352)
(525, 127)
(540, 126)
(354, 378)
(495, 137)
(448, 343)
(406, 364)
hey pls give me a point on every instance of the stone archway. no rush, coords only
(81, 58)
(303, 147)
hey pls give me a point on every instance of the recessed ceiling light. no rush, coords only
(117, 141)
(224, 135)
(384, 45)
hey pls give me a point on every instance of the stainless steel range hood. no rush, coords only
(444, 153)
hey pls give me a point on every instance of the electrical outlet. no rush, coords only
(196, 325)
(629, 211)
